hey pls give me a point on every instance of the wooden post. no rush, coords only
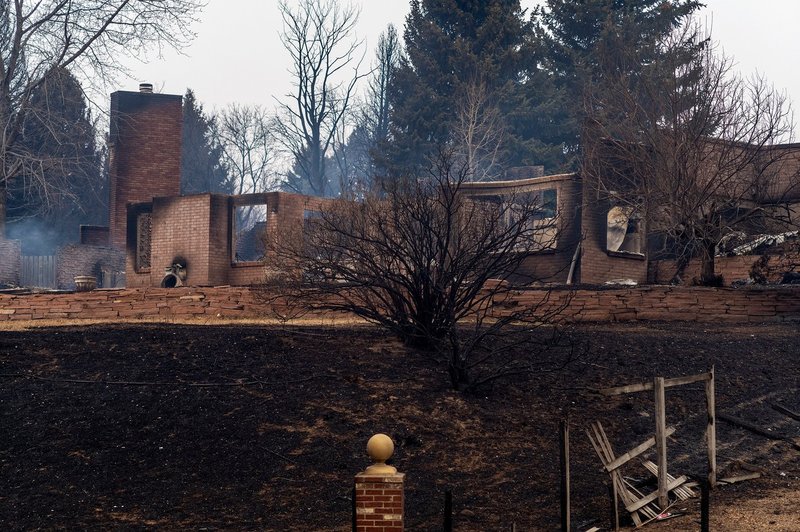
(704, 506)
(564, 455)
(612, 492)
(448, 511)
(354, 515)
(711, 431)
(661, 442)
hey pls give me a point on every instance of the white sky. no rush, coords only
(238, 57)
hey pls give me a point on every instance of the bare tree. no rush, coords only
(366, 125)
(248, 148)
(319, 38)
(430, 264)
(248, 152)
(37, 38)
(694, 149)
(478, 132)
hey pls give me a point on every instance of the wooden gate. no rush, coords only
(39, 271)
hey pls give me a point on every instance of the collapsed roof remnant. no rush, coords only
(761, 241)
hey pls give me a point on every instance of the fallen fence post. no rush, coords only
(758, 430)
(785, 411)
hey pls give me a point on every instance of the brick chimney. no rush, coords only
(144, 152)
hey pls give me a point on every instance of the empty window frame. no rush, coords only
(542, 228)
(624, 230)
(540, 210)
(249, 232)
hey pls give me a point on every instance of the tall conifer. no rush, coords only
(451, 45)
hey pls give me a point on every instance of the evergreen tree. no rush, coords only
(202, 169)
(452, 47)
(63, 185)
(364, 129)
(592, 43)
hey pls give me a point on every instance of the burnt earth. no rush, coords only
(246, 427)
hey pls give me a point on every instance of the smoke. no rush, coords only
(39, 237)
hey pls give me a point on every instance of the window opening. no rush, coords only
(249, 232)
(623, 230)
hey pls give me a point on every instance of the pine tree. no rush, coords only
(594, 42)
(64, 185)
(452, 47)
(202, 169)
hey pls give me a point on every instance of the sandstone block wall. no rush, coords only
(659, 303)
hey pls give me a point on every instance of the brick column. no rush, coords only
(379, 491)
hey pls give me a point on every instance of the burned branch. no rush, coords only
(432, 265)
(694, 148)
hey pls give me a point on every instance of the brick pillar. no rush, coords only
(379, 491)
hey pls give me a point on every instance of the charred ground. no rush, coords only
(243, 427)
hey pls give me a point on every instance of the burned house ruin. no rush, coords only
(161, 238)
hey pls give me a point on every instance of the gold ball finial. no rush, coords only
(380, 448)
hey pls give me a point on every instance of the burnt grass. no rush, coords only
(248, 427)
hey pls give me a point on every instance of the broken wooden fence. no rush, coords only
(644, 508)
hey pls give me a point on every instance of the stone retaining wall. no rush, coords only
(674, 303)
(657, 303)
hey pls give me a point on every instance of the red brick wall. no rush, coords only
(10, 261)
(198, 228)
(661, 303)
(731, 268)
(219, 236)
(551, 266)
(78, 259)
(133, 277)
(598, 265)
(181, 229)
(285, 212)
(145, 153)
(786, 185)
(95, 235)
